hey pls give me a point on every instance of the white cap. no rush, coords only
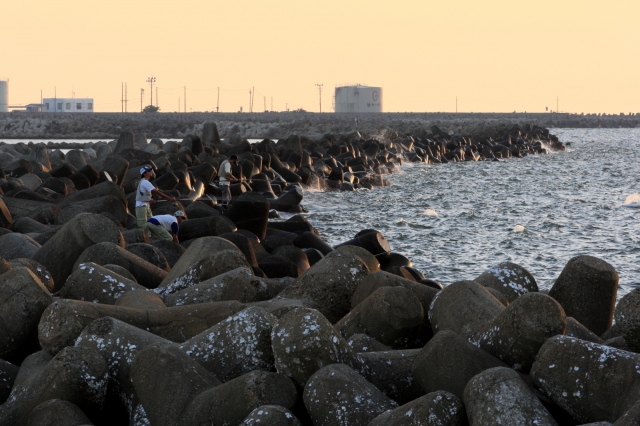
(179, 213)
(145, 169)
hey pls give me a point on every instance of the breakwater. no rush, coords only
(280, 125)
(258, 319)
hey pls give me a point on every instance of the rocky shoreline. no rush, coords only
(280, 125)
(255, 320)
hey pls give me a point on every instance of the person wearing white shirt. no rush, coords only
(225, 177)
(165, 226)
(144, 197)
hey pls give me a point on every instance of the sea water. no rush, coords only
(455, 220)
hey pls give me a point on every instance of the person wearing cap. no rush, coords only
(225, 177)
(144, 196)
(165, 226)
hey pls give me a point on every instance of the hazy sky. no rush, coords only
(494, 55)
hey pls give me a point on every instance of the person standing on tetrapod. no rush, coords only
(225, 177)
(144, 199)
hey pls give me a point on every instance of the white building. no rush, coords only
(67, 105)
(358, 99)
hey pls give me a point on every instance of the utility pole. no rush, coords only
(121, 97)
(320, 95)
(126, 98)
(218, 103)
(185, 99)
(141, 96)
(151, 80)
(456, 104)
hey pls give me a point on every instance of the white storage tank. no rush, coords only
(358, 98)
(4, 96)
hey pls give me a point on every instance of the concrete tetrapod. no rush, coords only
(392, 373)
(591, 382)
(95, 283)
(23, 299)
(77, 375)
(391, 315)
(235, 346)
(75, 236)
(337, 395)
(205, 258)
(272, 415)
(518, 332)
(198, 401)
(146, 274)
(329, 284)
(586, 289)
(435, 408)
(463, 307)
(57, 412)
(499, 396)
(64, 320)
(449, 361)
(628, 319)
(304, 341)
(118, 343)
(508, 278)
(238, 284)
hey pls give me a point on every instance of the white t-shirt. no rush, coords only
(225, 168)
(143, 193)
(167, 221)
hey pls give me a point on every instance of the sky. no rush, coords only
(490, 55)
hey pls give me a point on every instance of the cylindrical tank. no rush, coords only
(4, 96)
(358, 99)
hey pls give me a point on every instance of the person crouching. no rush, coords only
(144, 195)
(165, 226)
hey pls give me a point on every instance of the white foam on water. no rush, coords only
(632, 201)
(430, 212)
(518, 228)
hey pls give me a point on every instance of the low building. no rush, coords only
(358, 98)
(67, 105)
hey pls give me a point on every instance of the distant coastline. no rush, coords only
(19, 125)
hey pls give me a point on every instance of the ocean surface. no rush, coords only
(455, 220)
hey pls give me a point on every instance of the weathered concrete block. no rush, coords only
(391, 315)
(435, 408)
(449, 361)
(392, 373)
(238, 284)
(57, 412)
(591, 382)
(508, 278)
(330, 284)
(518, 332)
(77, 375)
(78, 234)
(64, 320)
(14, 245)
(499, 396)
(586, 289)
(23, 299)
(463, 307)
(628, 319)
(94, 283)
(147, 275)
(304, 341)
(272, 415)
(337, 395)
(235, 346)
